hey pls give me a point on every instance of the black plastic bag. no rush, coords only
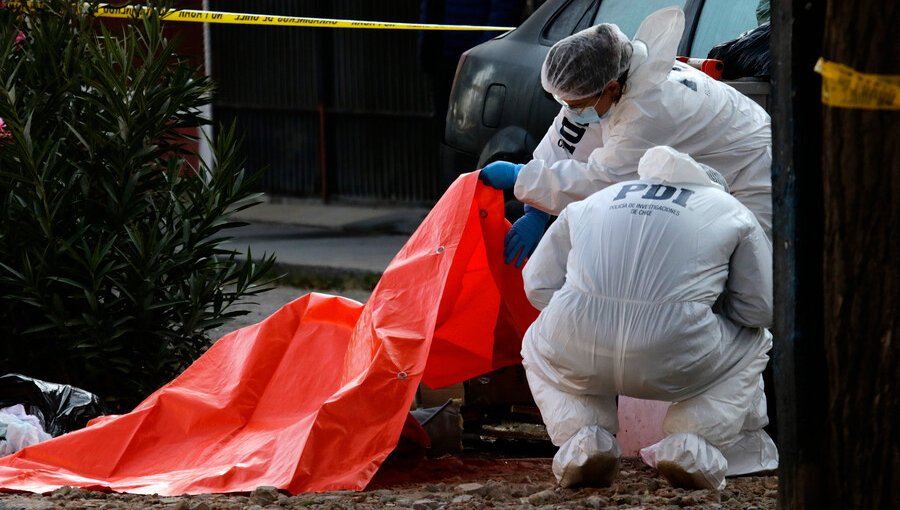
(746, 56)
(60, 407)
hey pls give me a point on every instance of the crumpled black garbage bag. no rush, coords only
(746, 56)
(60, 407)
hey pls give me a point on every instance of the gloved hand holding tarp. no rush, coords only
(314, 397)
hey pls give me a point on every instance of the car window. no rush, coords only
(573, 15)
(628, 14)
(720, 21)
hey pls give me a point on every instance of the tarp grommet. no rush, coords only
(402, 375)
(439, 249)
(483, 213)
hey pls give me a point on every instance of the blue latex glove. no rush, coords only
(500, 174)
(523, 237)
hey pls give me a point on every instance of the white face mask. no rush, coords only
(584, 116)
(587, 115)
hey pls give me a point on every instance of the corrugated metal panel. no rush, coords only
(265, 66)
(380, 158)
(382, 141)
(283, 145)
(378, 70)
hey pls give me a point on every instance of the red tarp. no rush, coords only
(314, 397)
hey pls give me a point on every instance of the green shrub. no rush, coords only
(111, 265)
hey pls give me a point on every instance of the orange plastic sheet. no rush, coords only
(314, 397)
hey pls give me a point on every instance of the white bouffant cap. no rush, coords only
(584, 63)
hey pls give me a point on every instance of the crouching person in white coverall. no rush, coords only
(626, 281)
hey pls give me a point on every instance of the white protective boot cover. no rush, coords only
(754, 452)
(687, 461)
(589, 458)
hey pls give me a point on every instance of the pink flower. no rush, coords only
(5, 135)
(20, 37)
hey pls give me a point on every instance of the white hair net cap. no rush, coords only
(584, 63)
(668, 165)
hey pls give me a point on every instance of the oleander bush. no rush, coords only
(112, 266)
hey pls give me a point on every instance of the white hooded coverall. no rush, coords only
(664, 102)
(626, 281)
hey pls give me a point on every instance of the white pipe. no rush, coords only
(206, 132)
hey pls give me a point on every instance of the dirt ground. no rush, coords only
(473, 479)
(464, 482)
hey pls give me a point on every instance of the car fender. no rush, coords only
(512, 143)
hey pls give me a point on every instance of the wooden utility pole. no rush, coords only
(836, 192)
(861, 170)
(798, 356)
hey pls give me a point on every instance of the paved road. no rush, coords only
(314, 248)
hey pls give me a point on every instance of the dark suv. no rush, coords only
(498, 109)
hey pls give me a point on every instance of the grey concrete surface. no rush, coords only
(309, 238)
(313, 249)
(337, 217)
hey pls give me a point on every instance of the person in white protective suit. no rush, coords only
(619, 99)
(626, 281)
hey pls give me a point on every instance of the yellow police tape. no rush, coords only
(844, 87)
(108, 11)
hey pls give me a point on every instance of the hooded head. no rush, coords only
(665, 164)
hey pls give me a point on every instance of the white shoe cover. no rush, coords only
(589, 458)
(687, 461)
(754, 452)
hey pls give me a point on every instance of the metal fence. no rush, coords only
(332, 113)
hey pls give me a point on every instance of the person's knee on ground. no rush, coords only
(590, 458)
(688, 461)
